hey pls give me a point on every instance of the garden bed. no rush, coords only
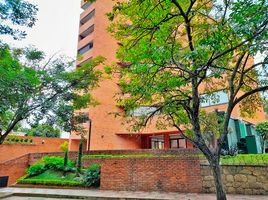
(59, 171)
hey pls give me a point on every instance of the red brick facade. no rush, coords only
(10, 151)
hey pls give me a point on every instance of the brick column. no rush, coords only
(166, 141)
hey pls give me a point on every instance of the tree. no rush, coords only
(42, 92)
(14, 13)
(262, 129)
(65, 147)
(44, 131)
(79, 158)
(178, 50)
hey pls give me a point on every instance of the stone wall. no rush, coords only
(238, 179)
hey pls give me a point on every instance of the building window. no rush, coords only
(157, 144)
(182, 143)
(87, 17)
(178, 143)
(85, 48)
(174, 143)
(216, 98)
(87, 32)
(142, 111)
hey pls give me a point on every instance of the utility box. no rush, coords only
(252, 145)
(3, 181)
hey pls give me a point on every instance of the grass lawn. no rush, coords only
(241, 159)
(54, 175)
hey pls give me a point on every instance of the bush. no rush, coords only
(57, 163)
(49, 182)
(36, 169)
(91, 176)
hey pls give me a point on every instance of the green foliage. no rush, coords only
(43, 130)
(91, 176)
(16, 13)
(46, 94)
(94, 167)
(79, 158)
(13, 139)
(65, 146)
(166, 58)
(37, 168)
(262, 129)
(245, 159)
(49, 182)
(57, 163)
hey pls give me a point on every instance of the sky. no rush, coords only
(56, 30)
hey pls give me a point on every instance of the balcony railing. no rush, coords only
(85, 4)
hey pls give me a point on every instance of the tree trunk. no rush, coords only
(264, 145)
(220, 192)
(2, 139)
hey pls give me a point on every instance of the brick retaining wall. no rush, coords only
(183, 173)
(150, 174)
(14, 168)
(40, 144)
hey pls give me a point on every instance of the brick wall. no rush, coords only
(238, 179)
(168, 174)
(14, 168)
(10, 151)
(183, 173)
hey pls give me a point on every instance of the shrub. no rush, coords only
(36, 169)
(57, 163)
(91, 176)
(79, 158)
(26, 140)
(94, 167)
(31, 140)
(49, 182)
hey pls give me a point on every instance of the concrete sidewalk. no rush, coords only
(100, 194)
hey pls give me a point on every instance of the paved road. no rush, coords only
(46, 194)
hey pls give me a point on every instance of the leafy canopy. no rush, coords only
(178, 50)
(44, 131)
(42, 92)
(262, 129)
(14, 13)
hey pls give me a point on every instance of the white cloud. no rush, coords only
(56, 30)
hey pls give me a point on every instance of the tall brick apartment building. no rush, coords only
(107, 132)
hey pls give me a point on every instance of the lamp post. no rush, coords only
(89, 135)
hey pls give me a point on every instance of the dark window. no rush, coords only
(237, 129)
(87, 17)
(87, 32)
(248, 128)
(85, 48)
(157, 143)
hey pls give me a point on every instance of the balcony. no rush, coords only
(85, 4)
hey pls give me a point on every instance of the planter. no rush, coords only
(3, 181)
